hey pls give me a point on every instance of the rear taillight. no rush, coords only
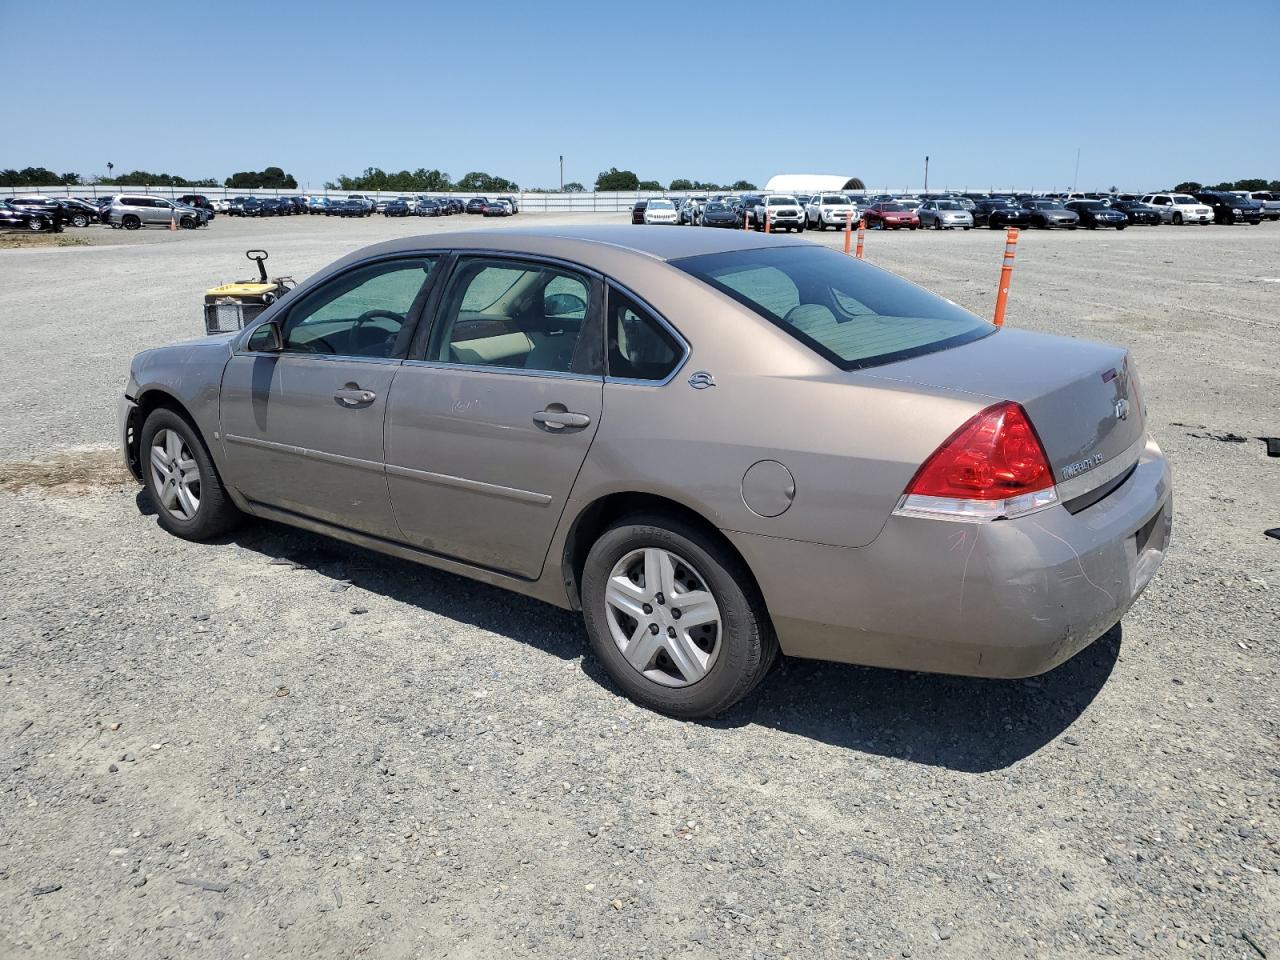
(992, 468)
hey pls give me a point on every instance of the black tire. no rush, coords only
(186, 223)
(216, 513)
(1120, 227)
(1177, 219)
(130, 222)
(747, 643)
(80, 220)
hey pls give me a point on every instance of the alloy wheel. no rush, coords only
(175, 474)
(663, 617)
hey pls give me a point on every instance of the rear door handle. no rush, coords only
(352, 396)
(559, 419)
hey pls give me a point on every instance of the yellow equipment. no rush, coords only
(229, 307)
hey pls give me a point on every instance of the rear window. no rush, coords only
(849, 312)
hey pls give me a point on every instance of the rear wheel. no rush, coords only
(675, 617)
(184, 486)
(130, 222)
(37, 224)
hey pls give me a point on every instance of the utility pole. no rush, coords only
(1076, 177)
(562, 173)
(926, 174)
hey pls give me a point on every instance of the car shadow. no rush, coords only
(959, 723)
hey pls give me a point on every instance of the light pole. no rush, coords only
(926, 174)
(110, 166)
(562, 173)
(1075, 179)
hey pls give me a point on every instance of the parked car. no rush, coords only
(944, 215)
(637, 211)
(200, 202)
(1095, 213)
(498, 208)
(346, 208)
(367, 204)
(890, 215)
(852, 429)
(1228, 208)
(1138, 212)
(476, 205)
(717, 213)
(132, 211)
(778, 212)
(1048, 214)
(317, 205)
(245, 207)
(397, 207)
(34, 218)
(221, 204)
(275, 207)
(55, 211)
(661, 211)
(515, 204)
(829, 210)
(1000, 212)
(427, 207)
(1270, 201)
(1180, 208)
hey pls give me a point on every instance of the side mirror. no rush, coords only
(266, 338)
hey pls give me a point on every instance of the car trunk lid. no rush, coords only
(1082, 397)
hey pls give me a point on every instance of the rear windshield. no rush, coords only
(849, 312)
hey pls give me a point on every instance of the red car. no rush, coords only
(891, 216)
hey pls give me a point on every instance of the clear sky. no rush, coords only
(1151, 91)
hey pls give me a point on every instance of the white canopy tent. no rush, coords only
(811, 183)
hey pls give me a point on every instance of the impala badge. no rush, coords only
(1081, 466)
(701, 380)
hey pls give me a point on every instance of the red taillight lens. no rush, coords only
(995, 456)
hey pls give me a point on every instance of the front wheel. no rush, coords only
(80, 220)
(675, 617)
(186, 223)
(181, 479)
(1177, 219)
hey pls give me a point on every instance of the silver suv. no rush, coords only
(132, 211)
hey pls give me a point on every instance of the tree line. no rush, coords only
(1191, 186)
(423, 181)
(271, 177)
(615, 180)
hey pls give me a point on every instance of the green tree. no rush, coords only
(1254, 184)
(574, 187)
(37, 177)
(270, 178)
(478, 182)
(615, 179)
(1188, 186)
(681, 185)
(743, 185)
(648, 185)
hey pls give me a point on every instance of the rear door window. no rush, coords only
(640, 347)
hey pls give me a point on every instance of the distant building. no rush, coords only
(812, 183)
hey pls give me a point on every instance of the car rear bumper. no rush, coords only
(1013, 598)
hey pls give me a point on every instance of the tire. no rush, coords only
(968, 228)
(37, 224)
(1072, 226)
(213, 512)
(1121, 227)
(735, 657)
(186, 223)
(130, 222)
(80, 220)
(1177, 219)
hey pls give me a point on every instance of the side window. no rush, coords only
(514, 314)
(640, 348)
(360, 313)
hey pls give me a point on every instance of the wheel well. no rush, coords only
(603, 513)
(147, 402)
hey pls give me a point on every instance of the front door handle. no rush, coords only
(352, 396)
(558, 419)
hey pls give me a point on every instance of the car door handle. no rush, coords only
(559, 419)
(352, 396)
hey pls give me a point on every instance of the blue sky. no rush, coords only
(995, 93)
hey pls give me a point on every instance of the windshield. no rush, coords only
(661, 205)
(713, 207)
(1089, 205)
(847, 311)
(842, 201)
(892, 207)
(1184, 200)
(947, 205)
(780, 201)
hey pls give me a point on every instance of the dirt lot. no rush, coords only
(279, 746)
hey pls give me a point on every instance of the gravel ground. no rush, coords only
(277, 745)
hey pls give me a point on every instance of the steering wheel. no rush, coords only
(374, 314)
